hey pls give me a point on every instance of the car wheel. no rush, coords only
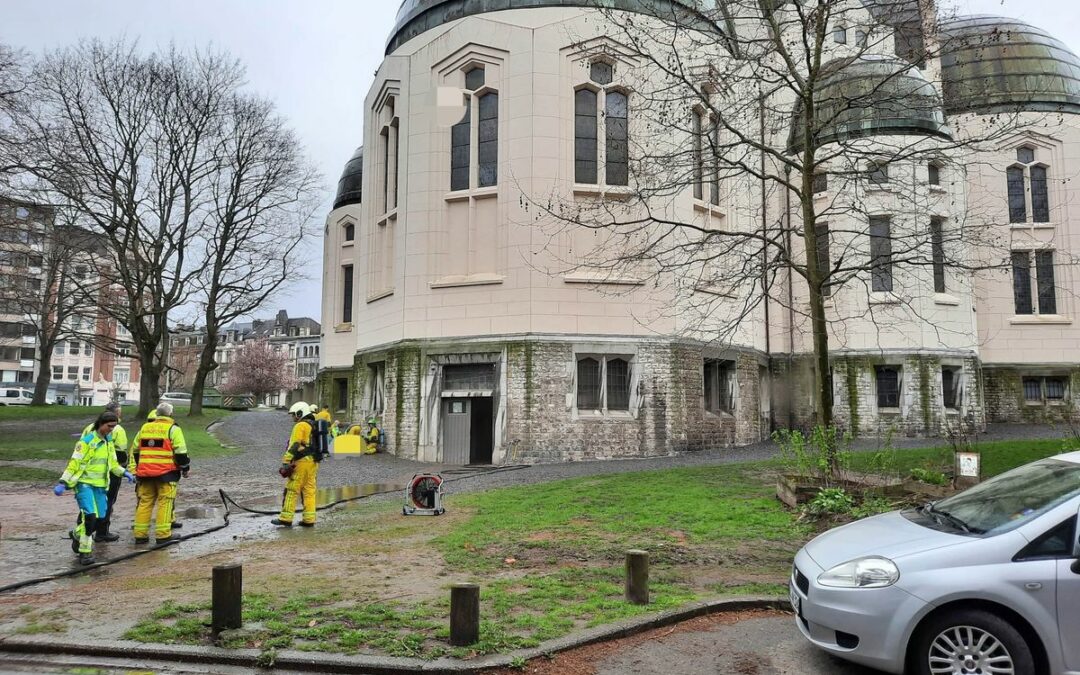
(971, 642)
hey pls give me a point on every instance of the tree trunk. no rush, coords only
(41, 384)
(206, 366)
(149, 384)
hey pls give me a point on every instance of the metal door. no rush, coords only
(456, 421)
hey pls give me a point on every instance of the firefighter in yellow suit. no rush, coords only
(158, 459)
(300, 467)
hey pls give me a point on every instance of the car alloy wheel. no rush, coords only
(967, 650)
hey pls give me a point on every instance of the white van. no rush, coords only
(176, 398)
(15, 396)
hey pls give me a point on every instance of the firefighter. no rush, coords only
(373, 435)
(324, 414)
(88, 472)
(158, 459)
(120, 443)
(300, 467)
(336, 429)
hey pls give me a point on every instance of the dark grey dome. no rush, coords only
(350, 187)
(871, 96)
(994, 64)
(419, 16)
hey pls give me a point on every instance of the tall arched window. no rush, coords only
(601, 111)
(478, 128)
(350, 232)
(1025, 178)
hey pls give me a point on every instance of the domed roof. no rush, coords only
(350, 187)
(419, 16)
(870, 96)
(995, 64)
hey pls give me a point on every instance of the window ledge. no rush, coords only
(621, 192)
(624, 415)
(880, 189)
(602, 278)
(473, 193)
(1032, 226)
(455, 280)
(884, 298)
(709, 208)
(720, 414)
(824, 196)
(889, 411)
(392, 213)
(343, 327)
(347, 244)
(380, 295)
(938, 190)
(1055, 403)
(1041, 320)
(946, 299)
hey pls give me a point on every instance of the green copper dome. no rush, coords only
(419, 16)
(350, 187)
(994, 64)
(872, 96)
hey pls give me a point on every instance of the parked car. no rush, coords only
(16, 396)
(176, 398)
(985, 581)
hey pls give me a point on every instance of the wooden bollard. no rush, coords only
(637, 577)
(464, 614)
(226, 598)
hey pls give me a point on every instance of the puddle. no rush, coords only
(26, 557)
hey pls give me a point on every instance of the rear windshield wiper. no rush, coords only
(929, 507)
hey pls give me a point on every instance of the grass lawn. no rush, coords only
(26, 474)
(997, 456)
(549, 559)
(54, 437)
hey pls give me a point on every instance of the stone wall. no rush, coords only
(541, 423)
(1005, 396)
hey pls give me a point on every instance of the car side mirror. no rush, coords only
(1076, 538)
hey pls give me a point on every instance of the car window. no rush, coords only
(1056, 543)
(11, 393)
(1007, 501)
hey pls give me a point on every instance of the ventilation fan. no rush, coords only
(423, 496)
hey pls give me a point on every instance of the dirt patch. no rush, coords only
(584, 660)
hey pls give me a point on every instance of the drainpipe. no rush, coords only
(790, 294)
(765, 263)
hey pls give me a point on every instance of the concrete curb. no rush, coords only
(380, 665)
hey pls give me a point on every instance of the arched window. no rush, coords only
(350, 231)
(601, 112)
(1023, 177)
(480, 127)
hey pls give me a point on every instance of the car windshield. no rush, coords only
(1012, 499)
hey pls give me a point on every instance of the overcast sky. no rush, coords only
(316, 59)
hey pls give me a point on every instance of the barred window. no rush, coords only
(888, 386)
(488, 140)
(601, 113)
(603, 383)
(588, 384)
(937, 249)
(585, 125)
(615, 128)
(460, 135)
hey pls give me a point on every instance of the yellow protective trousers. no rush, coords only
(151, 493)
(302, 481)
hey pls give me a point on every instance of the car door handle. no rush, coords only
(1033, 586)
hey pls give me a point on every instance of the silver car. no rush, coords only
(984, 582)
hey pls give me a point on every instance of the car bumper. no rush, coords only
(866, 626)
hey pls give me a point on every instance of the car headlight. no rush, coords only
(870, 572)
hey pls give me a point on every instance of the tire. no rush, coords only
(1004, 646)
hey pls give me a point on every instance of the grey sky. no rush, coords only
(316, 59)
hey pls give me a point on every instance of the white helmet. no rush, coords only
(300, 408)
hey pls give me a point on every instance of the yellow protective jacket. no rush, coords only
(159, 451)
(299, 441)
(92, 461)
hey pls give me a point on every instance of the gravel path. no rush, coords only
(262, 437)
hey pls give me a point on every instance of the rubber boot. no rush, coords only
(86, 559)
(282, 523)
(106, 536)
(177, 525)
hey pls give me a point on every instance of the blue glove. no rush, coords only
(130, 478)
(59, 489)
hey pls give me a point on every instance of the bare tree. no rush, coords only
(263, 193)
(786, 123)
(259, 369)
(128, 141)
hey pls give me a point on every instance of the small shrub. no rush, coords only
(817, 458)
(518, 662)
(929, 476)
(830, 501)
(872, 506)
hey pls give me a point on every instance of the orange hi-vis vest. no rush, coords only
(155, 450)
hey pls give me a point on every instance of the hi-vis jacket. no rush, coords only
(92, 462)
(159, 451)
